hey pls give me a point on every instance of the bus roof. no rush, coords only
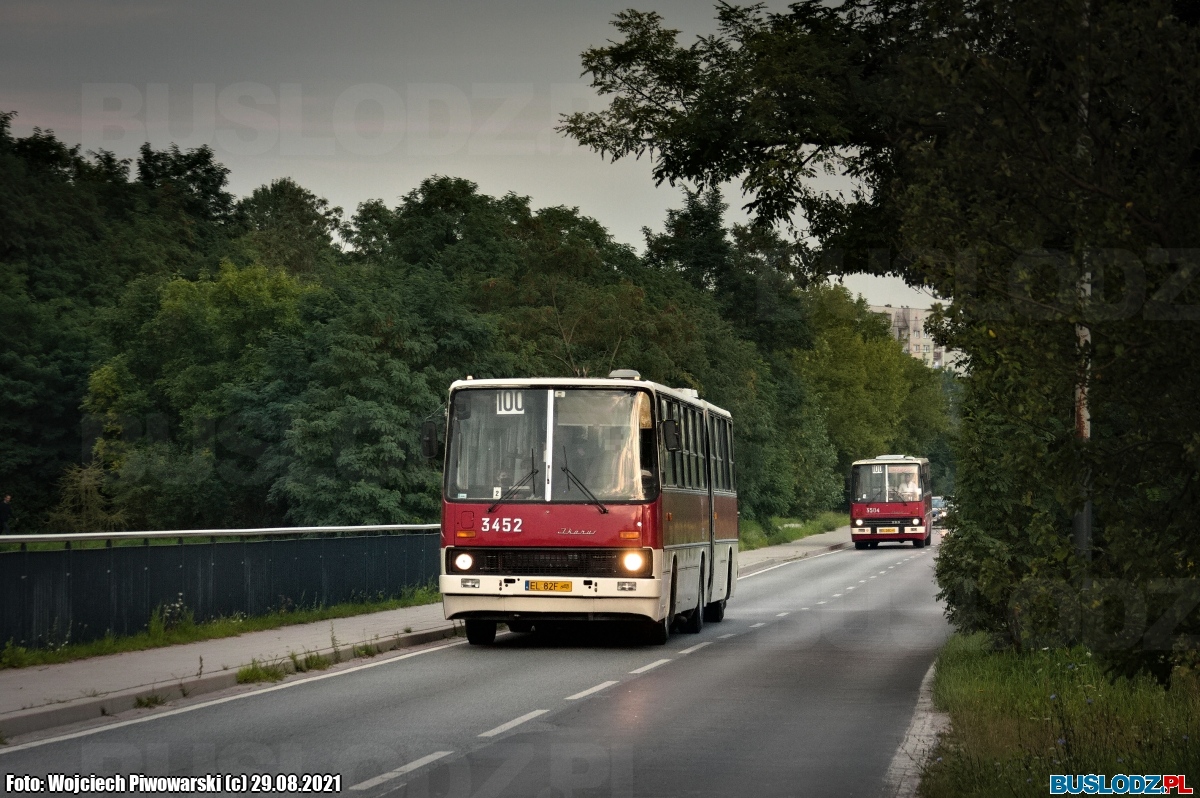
(890, 458)
(686, 395)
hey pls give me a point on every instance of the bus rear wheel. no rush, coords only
(480, 633)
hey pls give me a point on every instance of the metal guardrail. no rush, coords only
(75, 592)
(71, 537)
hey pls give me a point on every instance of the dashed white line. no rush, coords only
(400, 771)
(837, 595)
(756, 625)
(589, 691)
(804, 608)
(781, 615)
(851, 587)
(871, 577)
(726, 637)
(696, 647)
(862, 581)
(503, 727)
(821, 602)
(651, 666)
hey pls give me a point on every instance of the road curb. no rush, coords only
(52, 716)
(927, 724)
(771, 563)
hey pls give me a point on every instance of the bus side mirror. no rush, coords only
(429, 440)
(670, 434)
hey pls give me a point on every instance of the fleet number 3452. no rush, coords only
(501, 524)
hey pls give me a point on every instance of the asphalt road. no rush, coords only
(805, 689)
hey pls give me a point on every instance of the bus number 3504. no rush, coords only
(501, 524)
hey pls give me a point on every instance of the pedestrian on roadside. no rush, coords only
(5, 514)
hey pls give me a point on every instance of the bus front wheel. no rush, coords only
(693, 622)
(861, 544)
(919, 544)
(480, 633)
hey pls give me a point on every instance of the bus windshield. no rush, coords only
(893, 482)
(604, 439)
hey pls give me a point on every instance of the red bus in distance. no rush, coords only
(891, 500)
(586, 500)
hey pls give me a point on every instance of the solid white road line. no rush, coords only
(696, 647)
(400, 771)
(651, 666)
(503, 727)
(589, 691)
(225, 700)
(789, 562)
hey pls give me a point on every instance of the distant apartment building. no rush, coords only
(908, 327)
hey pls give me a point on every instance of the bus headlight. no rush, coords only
(916, 522)
(464, 561)
(633, 561)
(858, 522)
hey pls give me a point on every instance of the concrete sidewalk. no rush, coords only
(38, 698)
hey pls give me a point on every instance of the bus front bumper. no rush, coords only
(902, 533)
(503, 598)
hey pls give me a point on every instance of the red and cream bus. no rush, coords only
(586, 499)
(890, 499)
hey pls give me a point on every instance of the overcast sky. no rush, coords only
(352, 100)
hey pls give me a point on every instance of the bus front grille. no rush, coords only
(542, 562)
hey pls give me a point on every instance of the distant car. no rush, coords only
(939, 509)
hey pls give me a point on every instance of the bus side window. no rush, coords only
(666, 459)
(688, 467)
(702, 448)
(730, 453)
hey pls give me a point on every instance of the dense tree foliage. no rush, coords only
(1037, 161)
(183, 358)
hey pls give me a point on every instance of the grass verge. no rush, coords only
(261, 672)
(187, 631)
(753, 535)
(1018, 717)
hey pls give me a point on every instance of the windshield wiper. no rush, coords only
(578, 482)
(533, 471)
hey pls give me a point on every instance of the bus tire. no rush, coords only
(861, 544)
(919, 544)
(693, 622)
(520, 626)
(714, 612)
(874, 544)
(659, 632)
(480, 633)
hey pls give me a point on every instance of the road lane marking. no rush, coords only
(756, 625)
(651, 666)
(726, 637)
(781, 615)
(400, 771)
(804, 608)
(589, 691)
(851, 587)
(789, 562)
(696, 647)
(837, 595)
(204, 704)
(871, 577)
(503, 727)
(861, 581)
(821, 602)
